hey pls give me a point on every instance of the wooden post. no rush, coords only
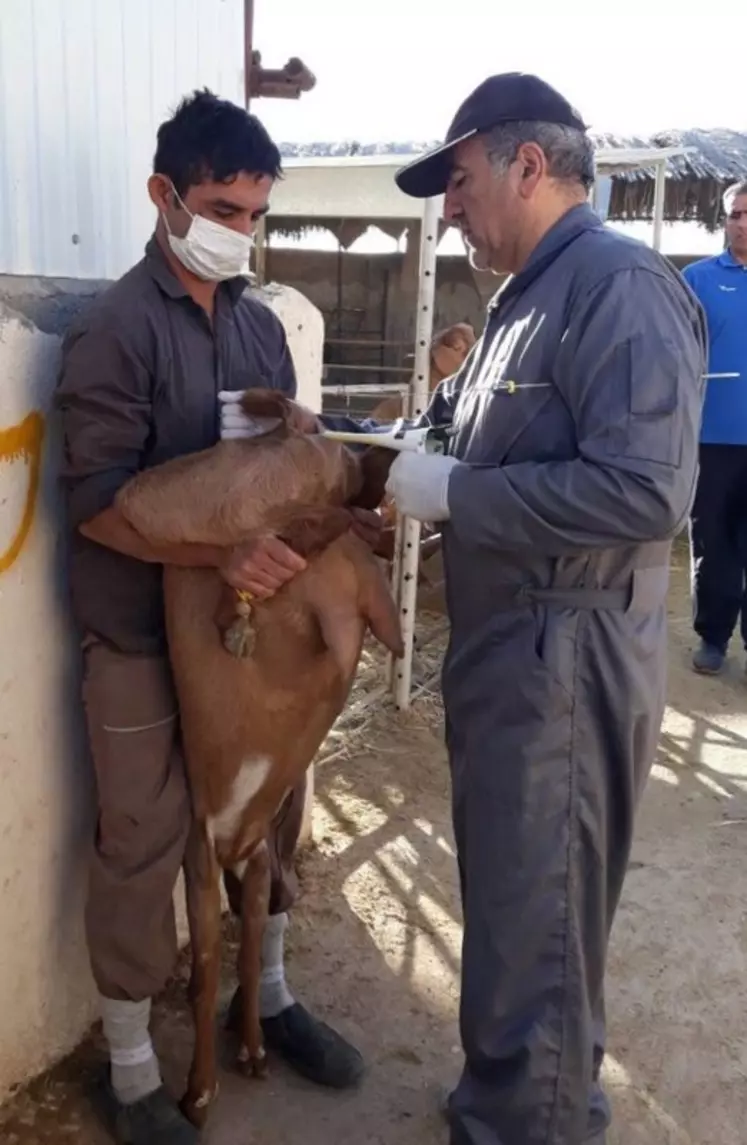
(248, 50)
(260, 252)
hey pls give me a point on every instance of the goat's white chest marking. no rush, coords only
(248, 782)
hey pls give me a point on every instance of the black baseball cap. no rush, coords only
(499, 99)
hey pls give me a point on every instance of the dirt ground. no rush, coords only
(374, 945)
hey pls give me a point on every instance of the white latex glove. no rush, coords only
(419, 485)
(234, 422)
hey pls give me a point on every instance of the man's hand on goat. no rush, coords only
(418, 483)
(235, 423)
(261, 566)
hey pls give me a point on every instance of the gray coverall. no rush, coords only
(578, 412)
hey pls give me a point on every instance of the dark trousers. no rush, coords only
(552, 726)
(718, 543)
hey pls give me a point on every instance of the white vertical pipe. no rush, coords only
(396, 582)
(419, 396)
(659, 189)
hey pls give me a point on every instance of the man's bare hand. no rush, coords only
(261, 566)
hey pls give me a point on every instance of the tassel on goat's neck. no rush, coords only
(239, 638)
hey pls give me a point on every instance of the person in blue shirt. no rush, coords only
(718, 526)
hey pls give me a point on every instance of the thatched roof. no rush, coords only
(346, 231)
(695, 182)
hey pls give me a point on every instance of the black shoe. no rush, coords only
(154, 1120)
(708, 659)
(309, 1046)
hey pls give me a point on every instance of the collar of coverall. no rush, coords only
(574, 223)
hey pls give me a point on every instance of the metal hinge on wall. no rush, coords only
(288, 82)
(279, 83)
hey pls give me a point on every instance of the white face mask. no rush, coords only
(211, 251)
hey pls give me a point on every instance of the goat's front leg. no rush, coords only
(255, 903)
(202, 884)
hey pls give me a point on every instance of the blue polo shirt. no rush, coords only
(721, 285)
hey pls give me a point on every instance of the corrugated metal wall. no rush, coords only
(84, 85)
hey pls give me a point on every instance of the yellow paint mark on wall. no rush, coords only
(23, 442)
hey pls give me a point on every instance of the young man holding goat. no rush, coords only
(140, 382)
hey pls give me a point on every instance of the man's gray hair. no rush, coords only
(731, 193)
(569, 152)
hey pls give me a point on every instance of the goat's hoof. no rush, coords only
(253, 1065)
(196, 1107)
(239, 638)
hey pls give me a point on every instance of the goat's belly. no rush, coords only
(250, 728)
(241, 818)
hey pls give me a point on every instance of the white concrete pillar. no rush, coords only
(46, 810)
(304, 328)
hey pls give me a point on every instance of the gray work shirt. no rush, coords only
(578, 412)
(141, 370)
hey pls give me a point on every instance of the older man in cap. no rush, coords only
(572, 467)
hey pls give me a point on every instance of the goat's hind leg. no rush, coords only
(201, 874)
(255, 902)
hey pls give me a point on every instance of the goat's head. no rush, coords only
(278, 418)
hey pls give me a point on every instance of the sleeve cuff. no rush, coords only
(89, 496)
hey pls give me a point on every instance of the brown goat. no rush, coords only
(252, 726)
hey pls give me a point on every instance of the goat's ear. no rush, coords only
(377, 606)
(375, 463)
(266, 403)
